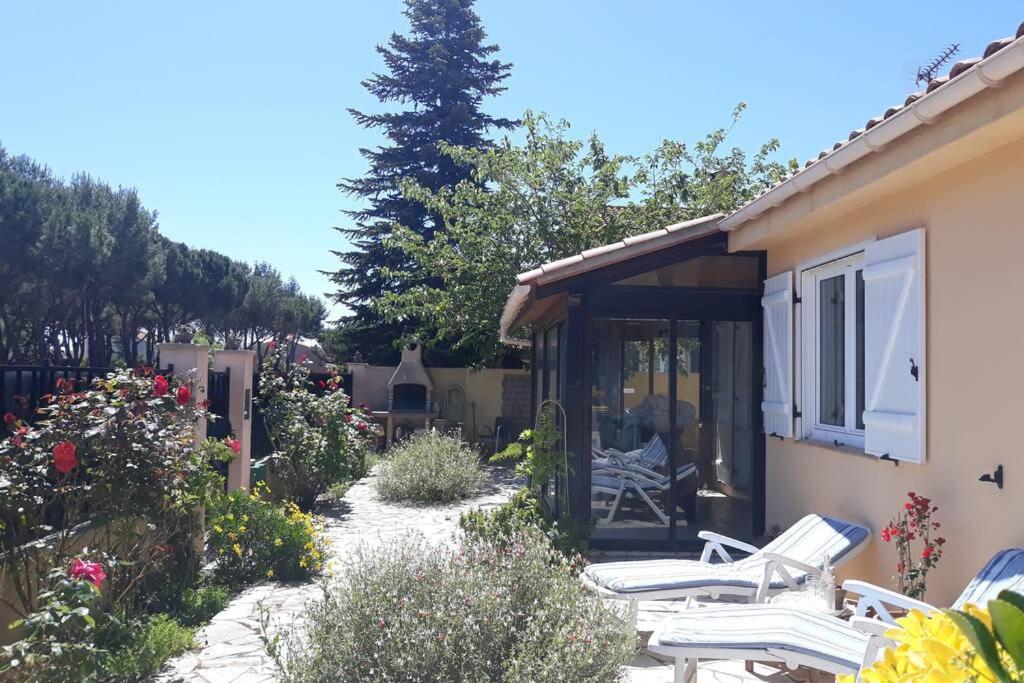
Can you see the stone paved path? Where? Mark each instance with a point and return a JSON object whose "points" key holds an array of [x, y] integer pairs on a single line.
{"points": [[231, 646]]}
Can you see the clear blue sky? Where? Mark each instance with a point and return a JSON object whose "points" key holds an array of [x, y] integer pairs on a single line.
{"points": [[230, 117]]}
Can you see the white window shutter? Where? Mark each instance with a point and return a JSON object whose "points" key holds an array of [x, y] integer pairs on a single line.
{"points": [[894, 347], [777, 308]]}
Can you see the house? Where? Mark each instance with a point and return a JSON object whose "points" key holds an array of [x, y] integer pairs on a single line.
{"points": [[850, 335]]}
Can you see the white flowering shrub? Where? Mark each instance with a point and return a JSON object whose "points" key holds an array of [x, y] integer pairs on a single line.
{"points": [[430, 468], [410, 611]]}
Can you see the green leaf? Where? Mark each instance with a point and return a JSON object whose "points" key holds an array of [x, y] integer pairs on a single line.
{"points": [[1008, 624], [982, 640], [1015, 599]]}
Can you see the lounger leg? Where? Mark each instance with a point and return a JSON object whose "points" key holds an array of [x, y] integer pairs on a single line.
{"points": [[685, 670]]}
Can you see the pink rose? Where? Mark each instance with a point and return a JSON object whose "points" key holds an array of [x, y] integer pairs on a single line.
{"points": [[64, 459], [82, 570]]}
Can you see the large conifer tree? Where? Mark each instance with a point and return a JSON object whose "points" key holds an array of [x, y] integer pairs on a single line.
{"points": [[439, 76]]}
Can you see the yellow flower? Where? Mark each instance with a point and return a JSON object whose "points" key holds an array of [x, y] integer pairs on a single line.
{"points": [[238, 549], [270, 573], [218, 528], [241, 529], [278, 542], [929, 647]]}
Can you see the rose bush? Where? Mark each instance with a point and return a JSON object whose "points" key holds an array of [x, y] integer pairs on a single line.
{"points": [[914, 526], [113, 466], [318, 439]]}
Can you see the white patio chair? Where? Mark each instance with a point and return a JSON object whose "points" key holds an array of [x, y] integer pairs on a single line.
{"points": [[784, 564], [795, 637], [634, 481]]}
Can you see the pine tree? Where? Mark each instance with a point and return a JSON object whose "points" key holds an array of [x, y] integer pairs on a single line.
{"points": [[439, 74]]}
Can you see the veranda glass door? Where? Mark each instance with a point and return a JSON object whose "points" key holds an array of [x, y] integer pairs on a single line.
{"points": [[671, 428]]}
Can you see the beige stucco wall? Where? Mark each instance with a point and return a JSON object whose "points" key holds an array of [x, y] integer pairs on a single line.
{"points": [[482, 387], [483, 394], [973, 214]]}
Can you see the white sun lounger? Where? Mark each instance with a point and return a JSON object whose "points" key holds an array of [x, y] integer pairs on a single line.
{"points": [[795, 637], [783, 564]]}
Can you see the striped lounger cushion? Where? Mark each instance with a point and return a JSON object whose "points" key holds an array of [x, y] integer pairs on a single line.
{"points": [[779, 630], [1005, 571]]}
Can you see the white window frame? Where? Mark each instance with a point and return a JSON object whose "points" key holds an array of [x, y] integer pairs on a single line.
{"points": [[845, 261]]}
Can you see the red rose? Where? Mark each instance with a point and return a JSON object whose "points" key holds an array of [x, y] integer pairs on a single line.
{"points": [[361, 426], [927, 552], [234, 444], [322, 384], [160, 385], [348, 418], [183, 395], [88, 571], [9, 418], [272, 345], [64, 459], [303, 358], [886, 534]]}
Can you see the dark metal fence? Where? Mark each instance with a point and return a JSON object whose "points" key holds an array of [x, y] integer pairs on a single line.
{"points": [[218, 392], [23, 386]]}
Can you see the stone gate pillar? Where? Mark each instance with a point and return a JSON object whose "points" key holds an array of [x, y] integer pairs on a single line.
{"points": [[241, 364], [190, 361]]}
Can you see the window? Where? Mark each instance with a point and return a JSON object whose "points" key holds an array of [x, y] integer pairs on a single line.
{"points": [[833, 351], [861, 370]]}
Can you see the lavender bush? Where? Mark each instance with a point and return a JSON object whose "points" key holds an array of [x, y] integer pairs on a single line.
{"points": [[487, 612]]}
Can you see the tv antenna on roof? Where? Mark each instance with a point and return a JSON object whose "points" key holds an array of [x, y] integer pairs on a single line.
{"points": [[929, 71]]}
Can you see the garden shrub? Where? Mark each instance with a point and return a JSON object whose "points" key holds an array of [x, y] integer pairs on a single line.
{"points": [[150, 643], [256, 539], [202, 603], [488, 612], [318, 438], [524, 511], [431, 468], [58, 637]]}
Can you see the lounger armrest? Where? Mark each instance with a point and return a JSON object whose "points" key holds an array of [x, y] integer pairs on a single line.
{"points": [[795, 564], [873, 627], [777, 566], [716, 543], [872, 596], [876, 630]]}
